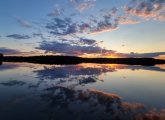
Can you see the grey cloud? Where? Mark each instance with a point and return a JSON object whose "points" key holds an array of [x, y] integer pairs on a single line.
{"points": [[154, 54], [8, 51], [68, 71], [85, 41], [37, 34], [113, 10], [24, 23], [134, 11], [65, 26], [109, 12], [147, 9], [4, 67], [105, 25], [84, 27], [69, 49], [62, 26], [13, 83], [127, 20], [18, 36], [80, 41], [55, 72], [57, 11], [108, 21], [82, 5]]}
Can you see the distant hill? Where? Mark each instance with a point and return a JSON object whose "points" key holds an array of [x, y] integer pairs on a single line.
{"points": [[77, 60]]}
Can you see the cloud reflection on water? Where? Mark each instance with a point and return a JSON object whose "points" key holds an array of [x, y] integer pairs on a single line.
{"points": [[64, 92]]}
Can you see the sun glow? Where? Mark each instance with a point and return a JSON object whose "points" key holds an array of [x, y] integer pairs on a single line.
{"points": [[113, 56]]}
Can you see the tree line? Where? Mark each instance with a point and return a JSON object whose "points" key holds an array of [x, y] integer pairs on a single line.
{"points": [[51, 59]]}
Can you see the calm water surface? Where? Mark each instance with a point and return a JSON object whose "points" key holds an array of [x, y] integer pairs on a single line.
{"points": [[81, 92]]}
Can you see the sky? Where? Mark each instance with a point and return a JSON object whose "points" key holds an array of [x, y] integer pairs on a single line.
{"points": [[99, 28]]}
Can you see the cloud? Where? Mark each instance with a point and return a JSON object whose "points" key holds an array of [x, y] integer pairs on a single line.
{"points": [[61, 26], [108, 21], [152, 114], [127, 20], [71, 49], [152, 55], [18, 36], [80, 41], [86, 41], [106, 25], [8, 51], [24, 23], [13, 83], [161, 57], [8, 67], [108, 105], [63, 72], [66, 26], [57, 11], [82, 5], [84, 27], [37, 34], [147, 9]]}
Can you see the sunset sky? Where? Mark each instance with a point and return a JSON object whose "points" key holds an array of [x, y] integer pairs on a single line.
{"points": [[111, 28]]}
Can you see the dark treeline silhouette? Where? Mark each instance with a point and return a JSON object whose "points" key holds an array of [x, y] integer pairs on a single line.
{"points": [[44, 59], [128, 61], [77, 60], [1, 57]]}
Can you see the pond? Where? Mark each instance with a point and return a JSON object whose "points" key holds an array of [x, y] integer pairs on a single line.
{"points": [[81, 92]]}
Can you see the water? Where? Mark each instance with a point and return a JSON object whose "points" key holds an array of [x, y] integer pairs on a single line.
{"points": [[81, 92]]}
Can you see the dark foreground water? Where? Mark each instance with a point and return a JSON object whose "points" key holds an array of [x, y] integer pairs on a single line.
{"points": [[81, 92]]}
